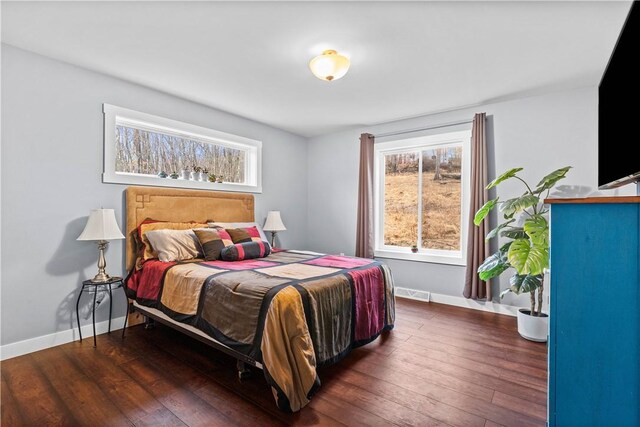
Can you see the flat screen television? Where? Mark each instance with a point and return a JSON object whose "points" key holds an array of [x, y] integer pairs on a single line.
{"points": [[619, 109]]}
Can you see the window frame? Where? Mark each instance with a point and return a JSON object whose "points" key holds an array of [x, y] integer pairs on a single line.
{"points": [[420, 143], [114, 114]]}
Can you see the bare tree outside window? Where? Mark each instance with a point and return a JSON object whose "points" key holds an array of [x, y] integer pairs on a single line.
{"points": [[145, 152]]}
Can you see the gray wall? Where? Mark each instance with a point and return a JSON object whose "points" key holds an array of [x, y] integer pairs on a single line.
{"points": [[52, 142], [52, 163], [538, 133]]}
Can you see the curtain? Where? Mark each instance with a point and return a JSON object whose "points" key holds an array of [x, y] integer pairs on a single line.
{"points": [[477, 247], [364, 231]]}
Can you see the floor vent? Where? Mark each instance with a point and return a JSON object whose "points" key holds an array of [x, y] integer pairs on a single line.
{"points": [[413, 294]]}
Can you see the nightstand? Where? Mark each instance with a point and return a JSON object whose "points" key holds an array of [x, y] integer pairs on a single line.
{"points": [[109, 284]]}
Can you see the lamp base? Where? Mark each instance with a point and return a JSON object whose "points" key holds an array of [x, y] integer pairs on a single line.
{"points": [[101, 277], [273, 239]]}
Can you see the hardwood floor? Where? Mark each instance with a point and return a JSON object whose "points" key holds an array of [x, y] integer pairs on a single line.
{"points": [[441, 365]]}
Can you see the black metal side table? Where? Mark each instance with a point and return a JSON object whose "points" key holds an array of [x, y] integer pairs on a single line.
{"points": [[95, 285]]}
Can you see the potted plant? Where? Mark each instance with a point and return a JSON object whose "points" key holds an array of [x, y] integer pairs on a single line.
{"points": [[526, 228], [219, 179], [174, 175], [185, 173], [204, 176], [162, 174], [197, 173], [212, 178], [414, 249]]}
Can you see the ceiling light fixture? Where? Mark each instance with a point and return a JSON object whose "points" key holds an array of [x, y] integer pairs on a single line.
{"points": [[329, 66]]}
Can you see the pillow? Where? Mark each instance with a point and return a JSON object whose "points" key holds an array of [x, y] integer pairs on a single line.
{"points": [[240, 225], [174, 245], [244, 235], [212, 241], [247, 250], [146, 250]]}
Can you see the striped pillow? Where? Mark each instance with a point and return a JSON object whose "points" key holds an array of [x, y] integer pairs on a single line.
{"points": [[213, 241], [240, 225], [243, 235], [247, 250]]}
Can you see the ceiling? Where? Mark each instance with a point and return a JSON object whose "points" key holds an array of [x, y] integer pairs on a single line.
{"points": [[250, 59]]}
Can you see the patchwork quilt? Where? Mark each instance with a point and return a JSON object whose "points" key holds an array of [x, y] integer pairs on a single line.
{"points": [[293, 311]]}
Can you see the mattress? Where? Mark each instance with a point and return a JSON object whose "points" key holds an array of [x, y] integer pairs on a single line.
{"points": [[186, 328]]}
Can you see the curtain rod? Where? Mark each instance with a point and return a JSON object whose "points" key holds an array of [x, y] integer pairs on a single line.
{"points": [[401, 132]]}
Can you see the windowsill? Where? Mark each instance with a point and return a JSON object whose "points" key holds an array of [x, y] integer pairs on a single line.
{"points": [[406, 255]]}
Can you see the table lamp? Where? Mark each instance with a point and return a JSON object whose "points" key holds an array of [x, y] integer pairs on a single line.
{"points": [[101, 227], [273, 224]]}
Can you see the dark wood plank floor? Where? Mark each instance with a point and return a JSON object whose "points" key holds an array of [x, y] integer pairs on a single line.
{"points": [[441, 366]]}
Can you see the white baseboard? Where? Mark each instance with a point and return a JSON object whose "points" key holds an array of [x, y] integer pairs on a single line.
{"points": [[492, 307], [19, 348]]}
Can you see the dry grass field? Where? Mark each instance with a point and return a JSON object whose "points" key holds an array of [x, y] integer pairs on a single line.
{"points": [[441, 211]]}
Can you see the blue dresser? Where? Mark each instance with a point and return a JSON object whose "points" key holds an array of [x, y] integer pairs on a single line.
{"points": [[594, 330]]}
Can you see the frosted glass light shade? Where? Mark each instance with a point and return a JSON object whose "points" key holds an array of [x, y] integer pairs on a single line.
{"points": [[329, 66], [101, 225], [274, 222]]}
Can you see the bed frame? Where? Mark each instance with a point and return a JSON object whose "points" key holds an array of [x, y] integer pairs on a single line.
{"points": [[169, 204]]}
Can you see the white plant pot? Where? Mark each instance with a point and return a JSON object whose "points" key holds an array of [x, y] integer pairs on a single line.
{"points": [[184, 174], [533, 328]]}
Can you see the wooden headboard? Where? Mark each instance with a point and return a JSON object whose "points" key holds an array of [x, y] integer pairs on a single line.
{"points": [[171, 204]]}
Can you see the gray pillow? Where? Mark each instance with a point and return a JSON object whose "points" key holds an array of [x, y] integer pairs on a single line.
{"points": [[174, 245]]}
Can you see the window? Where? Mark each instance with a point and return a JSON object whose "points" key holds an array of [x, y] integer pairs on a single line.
{"points": [[138, 147], [420, 197]]}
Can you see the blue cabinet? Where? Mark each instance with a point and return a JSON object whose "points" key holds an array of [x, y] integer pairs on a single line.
{"points": [[594, 330]]}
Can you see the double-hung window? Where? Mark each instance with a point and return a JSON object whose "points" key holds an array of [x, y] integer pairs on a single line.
{"points": [[420, 197], [144, 149]]}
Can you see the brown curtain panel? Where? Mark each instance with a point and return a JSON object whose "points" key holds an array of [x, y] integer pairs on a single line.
{"points": [[364, 232], [477, 247]]}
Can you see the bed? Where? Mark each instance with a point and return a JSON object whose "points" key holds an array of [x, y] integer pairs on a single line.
{"points": [[287, 314]]}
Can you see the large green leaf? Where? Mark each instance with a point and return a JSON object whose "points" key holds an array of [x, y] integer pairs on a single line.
{"points": [[525, 283], [508, 174], [513, 206], [528, 258], [514, 233], [537, 229], [493, 233], [495, 264], [550, 180], [484, 211]]}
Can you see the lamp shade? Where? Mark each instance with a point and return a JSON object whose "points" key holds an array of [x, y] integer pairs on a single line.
{"points": [[274, 222], [329, 66], [101, 225]]}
